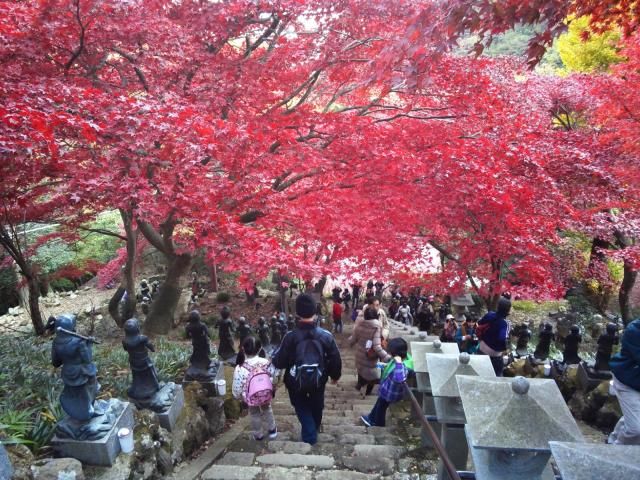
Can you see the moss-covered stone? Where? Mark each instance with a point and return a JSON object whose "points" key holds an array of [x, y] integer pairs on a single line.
{"points": [[232, 408]]}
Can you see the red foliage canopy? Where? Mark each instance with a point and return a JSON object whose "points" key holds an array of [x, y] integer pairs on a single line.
{"points": [[313, 138]]}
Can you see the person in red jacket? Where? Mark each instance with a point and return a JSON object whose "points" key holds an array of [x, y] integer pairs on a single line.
{"points": [[337, 317]]}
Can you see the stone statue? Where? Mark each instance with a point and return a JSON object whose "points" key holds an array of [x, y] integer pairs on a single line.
{"points": [[571, 344], [145, 390], [79, 373], [244, 329], [545, 337], [276, 334], [291, 323], [522, 346], [226, 348], [201, 368], [283, 327], [87, 419], [606, 342], [263, 332]]}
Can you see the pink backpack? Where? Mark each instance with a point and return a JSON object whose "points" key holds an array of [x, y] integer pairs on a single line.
{"points": [[258, 389]]}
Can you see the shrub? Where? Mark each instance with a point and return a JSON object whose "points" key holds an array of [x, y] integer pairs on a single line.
{"points": [[62, 285], [223, 297]]}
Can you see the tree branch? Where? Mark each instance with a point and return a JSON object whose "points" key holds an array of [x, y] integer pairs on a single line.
{"points": [[151, 235], [76, 53]]}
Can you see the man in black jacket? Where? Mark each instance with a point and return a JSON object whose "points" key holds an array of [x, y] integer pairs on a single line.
{"points": [[306, 337]]}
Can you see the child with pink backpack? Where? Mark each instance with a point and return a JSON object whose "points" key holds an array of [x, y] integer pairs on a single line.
{"points": [[253, 384]]}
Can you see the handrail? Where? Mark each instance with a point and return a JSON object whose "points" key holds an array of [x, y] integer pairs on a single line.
{"points": [[449, 467]]}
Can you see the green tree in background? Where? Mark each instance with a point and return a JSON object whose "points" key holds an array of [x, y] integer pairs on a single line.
{"points": [[584, 51]]}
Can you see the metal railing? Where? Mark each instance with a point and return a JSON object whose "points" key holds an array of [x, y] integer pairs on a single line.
{"points": [[446, 461]]}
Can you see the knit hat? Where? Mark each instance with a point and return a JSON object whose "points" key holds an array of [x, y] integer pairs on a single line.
{"points": [[305, 306]]}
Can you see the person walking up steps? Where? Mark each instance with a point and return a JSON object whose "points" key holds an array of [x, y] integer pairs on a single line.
{"points": [[253, 384], [310, 357]]}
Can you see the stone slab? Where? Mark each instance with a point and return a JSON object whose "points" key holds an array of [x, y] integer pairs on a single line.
{"points": [[209, 387], [96, 452], [367, 464], [443, 370], [344, 475], [586, 381], [579, 461], [168, 419], [297, 460], [6, 469], [231, 472], [500, 418], [419, 352], [423, 382], [449, 410], [337, 429], [289, 447], [378, 451], [281, 473], [243, 459], [487, 469], [356, 439], [455, 444]]}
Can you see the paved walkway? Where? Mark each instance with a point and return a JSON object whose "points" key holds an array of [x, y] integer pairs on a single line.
{"points": [[346, 450]]}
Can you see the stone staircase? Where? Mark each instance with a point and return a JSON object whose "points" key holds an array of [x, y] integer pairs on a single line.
{"points": [[346, 449]]}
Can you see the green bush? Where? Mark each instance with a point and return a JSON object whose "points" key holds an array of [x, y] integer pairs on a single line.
{"points": [[223, 297], [62, 285]]}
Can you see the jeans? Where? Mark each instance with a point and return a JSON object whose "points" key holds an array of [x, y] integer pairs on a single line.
{"points": [[378, 413], [627, 431], [308, 408]]}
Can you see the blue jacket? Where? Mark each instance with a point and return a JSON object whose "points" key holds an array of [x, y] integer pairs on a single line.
{"points": [[626, 364], [497, 335]]}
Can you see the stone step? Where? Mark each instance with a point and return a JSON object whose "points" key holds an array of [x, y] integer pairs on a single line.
{"points": [[244, 459], [344, 475], [326, 421], [297, 460], [231, 472], [289, 447], [282, 473]]}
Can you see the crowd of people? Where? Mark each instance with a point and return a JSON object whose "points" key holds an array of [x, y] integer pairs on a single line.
{"points": [[307, 357]]}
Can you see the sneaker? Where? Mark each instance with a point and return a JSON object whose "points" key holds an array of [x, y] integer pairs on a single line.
{"points": [[273, 433], [258, 439], [365, 420]]}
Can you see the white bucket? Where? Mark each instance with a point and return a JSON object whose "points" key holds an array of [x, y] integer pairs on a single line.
{"points": [[221, 386], [547, 370], [125, 437]]}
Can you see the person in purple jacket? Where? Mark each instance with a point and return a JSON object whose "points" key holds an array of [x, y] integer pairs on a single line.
{"points": [[495, 339]]}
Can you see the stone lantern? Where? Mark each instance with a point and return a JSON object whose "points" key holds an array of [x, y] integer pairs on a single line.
{"points": [[443, 371], [510, 423], [594, 461], [419, 350]]}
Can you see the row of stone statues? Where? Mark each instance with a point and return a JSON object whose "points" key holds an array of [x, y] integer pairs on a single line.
{"points": [[269, 334], [90, 419], [571, 343]]}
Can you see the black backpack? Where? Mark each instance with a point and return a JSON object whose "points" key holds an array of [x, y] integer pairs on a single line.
{"points": [[309, 364]]}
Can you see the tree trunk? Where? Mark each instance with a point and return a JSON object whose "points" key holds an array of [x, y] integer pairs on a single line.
{"points": [[127, 282], [163, 309], [34, 303], [214, 278], [114, 306], [628, 281]]}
